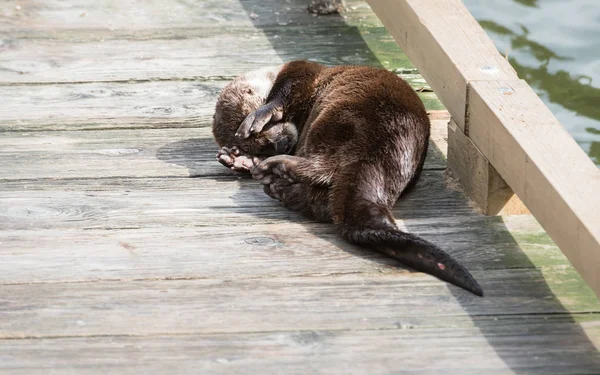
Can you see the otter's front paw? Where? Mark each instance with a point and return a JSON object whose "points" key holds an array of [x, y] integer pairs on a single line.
{"points": [[234, 159], [256, 121]]}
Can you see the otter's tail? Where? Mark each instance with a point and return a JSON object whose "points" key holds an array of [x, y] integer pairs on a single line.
{"points": [[381, 234]]}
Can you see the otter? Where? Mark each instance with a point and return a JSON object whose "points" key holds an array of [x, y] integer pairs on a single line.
{"points": [[338, 144], [239, 98]]}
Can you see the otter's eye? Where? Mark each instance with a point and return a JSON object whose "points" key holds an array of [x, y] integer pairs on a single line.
{"points": [[249, 91]]}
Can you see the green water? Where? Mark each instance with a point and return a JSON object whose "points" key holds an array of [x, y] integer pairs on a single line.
{"points": [[555, 46]]}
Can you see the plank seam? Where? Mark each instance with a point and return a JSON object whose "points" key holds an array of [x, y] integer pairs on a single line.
{"points": [[375, 256], [225, 333]]}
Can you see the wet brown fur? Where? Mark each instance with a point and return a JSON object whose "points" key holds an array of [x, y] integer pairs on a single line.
{"points": [[244, 95], [362, 140]]}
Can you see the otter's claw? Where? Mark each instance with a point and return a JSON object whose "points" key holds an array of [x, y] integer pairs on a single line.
{"points": [[256, 121]]}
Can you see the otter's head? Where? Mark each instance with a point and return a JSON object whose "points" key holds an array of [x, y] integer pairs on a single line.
{"points": [[238, 99]]}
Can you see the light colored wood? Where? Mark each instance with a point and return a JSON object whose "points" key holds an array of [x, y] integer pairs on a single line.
{"points": [[204, 248], [120, 153], [107, 15], [46, 41], [110, 105], [545, 167], [153, 202], [51, 17], [447, 45], [113, 261], [150, 307], [502, 346], [183, 56], [479, 179]]}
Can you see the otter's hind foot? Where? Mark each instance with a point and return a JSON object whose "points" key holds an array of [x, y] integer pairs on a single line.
{"points": [[312, 201], [280, 167]]}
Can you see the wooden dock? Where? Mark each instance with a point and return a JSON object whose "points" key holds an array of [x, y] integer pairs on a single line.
{"points": [[126, 248]]}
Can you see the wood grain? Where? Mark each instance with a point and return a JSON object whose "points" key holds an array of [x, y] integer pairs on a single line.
{"points": [[447, 45], [120, 153], [125, 203], [203, 248], [544, 166], [132, 15], [27, 59], [279, 304], [113, 261], [97, 106], [521, 346]]}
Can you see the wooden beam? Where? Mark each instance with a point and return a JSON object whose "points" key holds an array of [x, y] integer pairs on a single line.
{"points": [[478, 177], [446, 44], [544, 165], [506, 121]]}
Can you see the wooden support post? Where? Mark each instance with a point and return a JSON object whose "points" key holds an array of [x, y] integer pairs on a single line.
{"points": [[479, 179]]}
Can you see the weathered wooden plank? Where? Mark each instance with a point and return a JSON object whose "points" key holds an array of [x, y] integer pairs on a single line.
{"points": [[544, 166], [131, 15], [479, 179], [183, 56], [251, 249], [447, 45], [90, 106], [276, 304], [125, 14], [525, 346], [108, 105], [126, 203], [120, 153]]}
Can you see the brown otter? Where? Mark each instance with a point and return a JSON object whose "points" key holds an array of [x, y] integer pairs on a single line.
{"points": [[238, 99], [358, 136]]}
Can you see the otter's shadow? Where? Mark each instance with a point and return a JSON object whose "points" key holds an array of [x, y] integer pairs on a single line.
{"points": [[515, 287], [198, 155]]}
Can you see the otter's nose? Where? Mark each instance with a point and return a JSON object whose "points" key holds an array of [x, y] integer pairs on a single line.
{"points": [[282, 146]]}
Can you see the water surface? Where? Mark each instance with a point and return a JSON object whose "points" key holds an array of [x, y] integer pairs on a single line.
{"points": [[555, 46]]}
